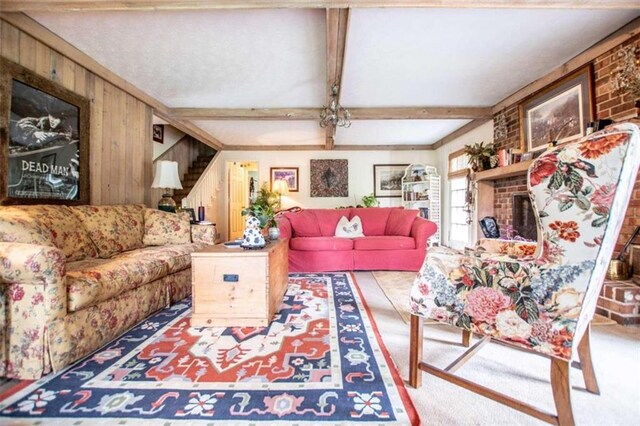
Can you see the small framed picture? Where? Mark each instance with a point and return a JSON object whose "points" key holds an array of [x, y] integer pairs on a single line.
{"points": [[288, 174], [158, 133], [387, 180], [192, 214]]}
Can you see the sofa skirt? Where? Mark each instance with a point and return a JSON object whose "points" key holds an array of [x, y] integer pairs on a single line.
{"points": [[356, 260]]}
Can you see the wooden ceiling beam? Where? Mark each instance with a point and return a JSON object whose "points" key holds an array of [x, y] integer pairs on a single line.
{"points": [[39, 32], [381, 113], [337, 30], [122, 5], [457, 133], [322, 147]]}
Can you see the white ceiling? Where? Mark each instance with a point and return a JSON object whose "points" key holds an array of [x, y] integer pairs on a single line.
{"points": [[276, 58]]}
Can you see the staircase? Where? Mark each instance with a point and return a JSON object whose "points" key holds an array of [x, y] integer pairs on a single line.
{"points": [[191, 177]]}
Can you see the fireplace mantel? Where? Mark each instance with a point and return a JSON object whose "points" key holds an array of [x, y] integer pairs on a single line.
{"points": [[511, 170]]}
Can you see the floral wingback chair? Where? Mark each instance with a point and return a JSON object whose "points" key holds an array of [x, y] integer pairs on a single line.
{"points": [[542, 302]]}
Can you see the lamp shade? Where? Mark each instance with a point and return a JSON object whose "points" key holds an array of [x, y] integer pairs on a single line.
{"points": [[166, 175], [281, 187]]}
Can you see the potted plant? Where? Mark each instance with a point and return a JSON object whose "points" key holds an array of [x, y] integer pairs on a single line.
{"points": [[264, 208], [481, 156], [370, 201]]}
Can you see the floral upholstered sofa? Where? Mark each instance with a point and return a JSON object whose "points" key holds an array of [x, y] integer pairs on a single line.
{"points": [[73, 278]]}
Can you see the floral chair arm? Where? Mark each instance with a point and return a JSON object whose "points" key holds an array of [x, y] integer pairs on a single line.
{"points": [[35, 298], [204, 234], [506, 247], [532, 304]]}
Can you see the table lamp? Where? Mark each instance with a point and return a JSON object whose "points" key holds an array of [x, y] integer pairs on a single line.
{"points": [[280, 187], [166, 178]]}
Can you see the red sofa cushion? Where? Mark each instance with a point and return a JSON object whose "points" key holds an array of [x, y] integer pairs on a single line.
{"points": [[384, 243], [374, 219], [304, 224], [321, 244], [400, 222], [328, 219]]}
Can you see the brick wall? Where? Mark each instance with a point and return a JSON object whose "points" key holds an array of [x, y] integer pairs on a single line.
{"points": [[608, 105]]}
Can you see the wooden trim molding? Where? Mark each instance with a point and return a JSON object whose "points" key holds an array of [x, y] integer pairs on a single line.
{"points": [[461, 131], [322, 147], [84, 5]]}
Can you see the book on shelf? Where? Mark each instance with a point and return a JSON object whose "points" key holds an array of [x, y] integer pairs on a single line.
{"points": [[508, 156]]}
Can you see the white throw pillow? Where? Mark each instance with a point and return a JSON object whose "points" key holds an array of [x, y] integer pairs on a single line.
{"points": [[349, 228]]}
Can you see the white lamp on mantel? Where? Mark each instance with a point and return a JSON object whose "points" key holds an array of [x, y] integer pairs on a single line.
{"points": [[167, 178]]}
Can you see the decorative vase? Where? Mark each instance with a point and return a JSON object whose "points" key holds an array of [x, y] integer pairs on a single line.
{"points": [[274, 233]]}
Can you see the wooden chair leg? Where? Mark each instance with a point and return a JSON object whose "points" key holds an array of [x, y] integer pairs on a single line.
{"points": [[466, 338], [586, 363], [561, 387], [415, 351]]}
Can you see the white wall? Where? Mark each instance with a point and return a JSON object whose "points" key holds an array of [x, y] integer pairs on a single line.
{"points": [[482, 133], [171, 137], [360, 174]]}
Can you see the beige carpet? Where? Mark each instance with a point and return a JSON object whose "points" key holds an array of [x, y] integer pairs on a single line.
{"points": [[396, 285], [615, 350]]}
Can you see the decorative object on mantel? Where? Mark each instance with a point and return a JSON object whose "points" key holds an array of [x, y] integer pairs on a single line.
{"points": [[481, 156], [619, 267], [166, 178], [335, 114], [625, 79], [500, 129]]}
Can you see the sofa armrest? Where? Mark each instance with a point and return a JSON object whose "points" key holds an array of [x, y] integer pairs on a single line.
{"points": [[36, 297], [285, 227], [421, 230], [205, 234]]}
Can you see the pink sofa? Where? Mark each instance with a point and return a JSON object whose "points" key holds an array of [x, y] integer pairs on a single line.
{"points": [[395, 239]]}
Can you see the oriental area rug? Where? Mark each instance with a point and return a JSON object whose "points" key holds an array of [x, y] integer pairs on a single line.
{"points": [[321, 360]]}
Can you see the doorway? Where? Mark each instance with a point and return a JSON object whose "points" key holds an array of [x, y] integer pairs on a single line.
{"points": [[242, 178]]}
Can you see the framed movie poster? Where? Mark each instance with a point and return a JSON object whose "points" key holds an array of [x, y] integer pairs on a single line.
{"points": [[559, 113], [44, 140]]}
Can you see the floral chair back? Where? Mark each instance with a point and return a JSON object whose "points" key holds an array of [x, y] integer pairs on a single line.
{"points": [[542, 302], [580, 192]]}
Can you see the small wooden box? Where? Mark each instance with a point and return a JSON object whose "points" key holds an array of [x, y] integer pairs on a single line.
{"points": [[238, 288]]}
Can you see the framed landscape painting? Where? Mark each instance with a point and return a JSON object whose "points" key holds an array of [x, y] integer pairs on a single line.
{"points": [[387, 180], [44, 153], [289, 174], [559, 113]]}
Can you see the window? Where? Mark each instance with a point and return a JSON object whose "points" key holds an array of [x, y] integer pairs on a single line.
{"points": [[459, 229]]}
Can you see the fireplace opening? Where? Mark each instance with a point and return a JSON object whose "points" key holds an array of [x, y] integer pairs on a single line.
{"points": [[524, 221]]}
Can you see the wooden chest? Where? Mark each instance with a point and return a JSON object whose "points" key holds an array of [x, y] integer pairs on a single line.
{"points": [[236, 287]]}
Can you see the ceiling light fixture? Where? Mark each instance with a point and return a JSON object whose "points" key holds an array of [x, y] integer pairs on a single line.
{"points": [[335, 115]]}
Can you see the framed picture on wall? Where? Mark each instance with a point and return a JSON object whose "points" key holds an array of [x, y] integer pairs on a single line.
{"points": [[387, 180], [559, 113], [44, 154], [288, 174], [158, 133]]}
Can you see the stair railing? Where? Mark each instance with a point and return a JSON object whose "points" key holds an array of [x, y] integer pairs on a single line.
{"points": [[207, 189]]}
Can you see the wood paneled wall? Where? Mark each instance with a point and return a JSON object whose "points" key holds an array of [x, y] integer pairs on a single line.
{"points": [[121, 142]]}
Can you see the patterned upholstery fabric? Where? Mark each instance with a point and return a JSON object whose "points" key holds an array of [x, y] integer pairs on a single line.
{"points": [[162, 228], [56, 310], [506, 247], [545, 301], [47, 225], [113, 229], [204, 234]]}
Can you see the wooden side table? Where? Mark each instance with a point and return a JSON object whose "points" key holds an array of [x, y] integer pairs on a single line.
{"points": [[236, 287]]}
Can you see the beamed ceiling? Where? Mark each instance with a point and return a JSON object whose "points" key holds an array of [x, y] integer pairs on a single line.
{"points": [[242, 76]]}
